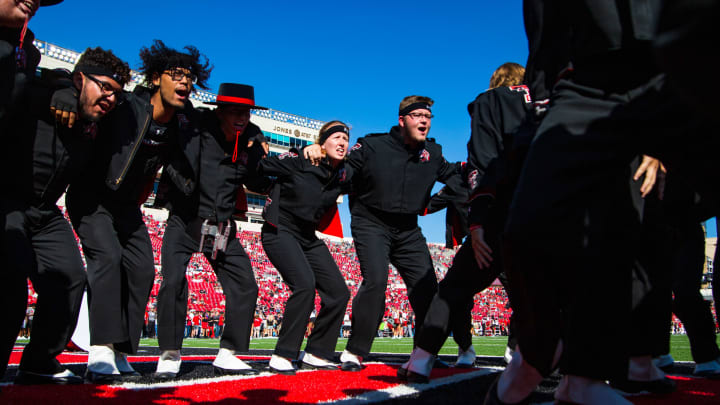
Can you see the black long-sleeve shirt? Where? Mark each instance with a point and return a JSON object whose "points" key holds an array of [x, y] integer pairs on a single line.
{"points": [[306, 192], [391, 177], [496, 115]]}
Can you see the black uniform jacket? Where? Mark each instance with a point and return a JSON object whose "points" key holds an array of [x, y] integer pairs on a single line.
{"points": [[46, 156], [119, 139], [303, 193], [456, 214], [13, 79], [390, 177], [608, 44], [218, 178], [496, 116]]}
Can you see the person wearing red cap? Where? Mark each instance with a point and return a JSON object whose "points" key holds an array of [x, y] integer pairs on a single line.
{"points": [[227, 149], [149, 129], [18, 60]]}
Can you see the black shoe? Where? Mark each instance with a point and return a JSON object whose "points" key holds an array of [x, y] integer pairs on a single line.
{"points": [[226, 371], [492, 396], [130, 374], [440, 364], [309, 366], [350, 366], [166, 375], [101, 378], [415, 378], [402, 373], [660, 386], [289, 371], [62, 378]]}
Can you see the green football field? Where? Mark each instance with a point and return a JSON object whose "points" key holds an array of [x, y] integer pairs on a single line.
{"points": [[484, 346]]}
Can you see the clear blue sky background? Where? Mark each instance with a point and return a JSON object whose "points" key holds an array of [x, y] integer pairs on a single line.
{"points": [[352, 61]]}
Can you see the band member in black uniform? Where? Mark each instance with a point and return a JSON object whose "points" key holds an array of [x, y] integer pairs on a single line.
{"points": [[573, 204], [18, 60], [228, 145], [497, 116], [302, 195], [39, 242], [393, 176], [146, 131]]}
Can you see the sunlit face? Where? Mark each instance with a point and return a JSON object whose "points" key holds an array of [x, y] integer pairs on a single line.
{"points": [[98, 96], [175, 86], [234, 119], [13, 13], [415, 125], [335, 147]]}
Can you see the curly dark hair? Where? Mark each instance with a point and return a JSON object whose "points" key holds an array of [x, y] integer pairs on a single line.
{"points": [[159, 58], [98, 57]]}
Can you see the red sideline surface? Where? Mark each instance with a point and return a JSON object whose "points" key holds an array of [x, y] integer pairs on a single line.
{"points": [[304, 387]]}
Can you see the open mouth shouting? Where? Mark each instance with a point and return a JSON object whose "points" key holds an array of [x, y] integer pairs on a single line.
{"points": [[28, 7]]}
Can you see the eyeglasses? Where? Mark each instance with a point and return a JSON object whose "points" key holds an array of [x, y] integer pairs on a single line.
{"points": [[416, 116], [178, 74], [106, 88]]}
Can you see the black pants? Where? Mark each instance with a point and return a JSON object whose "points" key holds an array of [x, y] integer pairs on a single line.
{"points": [[120, 270], [305, 264], [376, 245], [40, 244], [687, 265], [449, 310], [570, 236], [233, 270]]}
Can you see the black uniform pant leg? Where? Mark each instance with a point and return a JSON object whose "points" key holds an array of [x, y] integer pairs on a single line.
{"points": [[571, 229], [59, 279], [410, 255], [334, 297], [449, 306], [172, 301], [689, 304], [372, 245], [103, 256], [237, 279], [18, 259], [286, 254], [138, 268]]}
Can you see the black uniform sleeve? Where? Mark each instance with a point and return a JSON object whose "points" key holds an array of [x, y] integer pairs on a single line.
{"points": [[355, 157], [485, 150], [282, 165], [450, 175]]}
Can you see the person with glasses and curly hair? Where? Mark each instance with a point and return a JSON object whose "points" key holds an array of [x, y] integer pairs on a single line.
{"points": [[150, 129]]}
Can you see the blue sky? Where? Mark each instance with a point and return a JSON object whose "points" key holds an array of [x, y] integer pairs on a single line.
{"points": [[352, 61]]}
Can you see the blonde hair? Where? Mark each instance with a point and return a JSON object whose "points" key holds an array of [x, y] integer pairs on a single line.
{"points": [[508, 74]]}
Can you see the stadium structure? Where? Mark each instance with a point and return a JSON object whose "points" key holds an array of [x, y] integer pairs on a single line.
{"points": [[282, 130]]}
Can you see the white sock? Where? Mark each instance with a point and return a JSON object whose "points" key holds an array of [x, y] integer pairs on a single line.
{"points": [[169, 362], [101, 359], [421, 362], [280, 363], [226, 359]]}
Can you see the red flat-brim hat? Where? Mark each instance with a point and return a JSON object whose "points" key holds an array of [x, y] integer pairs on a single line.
{"points": [[237, 94]]}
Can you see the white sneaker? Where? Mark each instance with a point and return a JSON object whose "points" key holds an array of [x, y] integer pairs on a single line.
{"points": [[122, 364], [508, 354], [226, 363], [308, 360], [168, 364], [281, 365], [101, 360], [466, 358], [350, 361], [420, 365], [708, 369], [663, 361]]}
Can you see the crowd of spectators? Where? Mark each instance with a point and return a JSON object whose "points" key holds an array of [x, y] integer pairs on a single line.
{"points": [[206, 306]]}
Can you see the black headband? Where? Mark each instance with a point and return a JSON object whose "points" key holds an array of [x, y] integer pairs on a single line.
{"points": [[415, 106], [335, 128], [100, 71]]}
